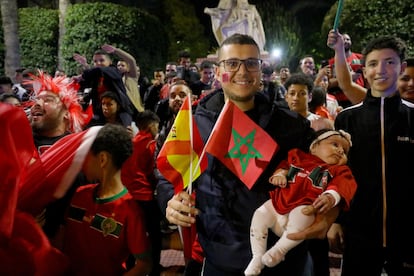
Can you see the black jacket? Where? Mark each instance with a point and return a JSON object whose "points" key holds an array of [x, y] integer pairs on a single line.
{"points": [[382, 131], [112, 80], [226, 204]]}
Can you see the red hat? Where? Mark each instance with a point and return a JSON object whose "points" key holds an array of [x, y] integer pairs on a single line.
{"points": [[66, 90]]}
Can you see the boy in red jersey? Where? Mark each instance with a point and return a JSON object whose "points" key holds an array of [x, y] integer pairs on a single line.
{"points": [[104, 223], [138, 176]]}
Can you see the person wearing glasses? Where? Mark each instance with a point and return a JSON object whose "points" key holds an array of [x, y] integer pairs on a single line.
{"points": [[224, 206]]}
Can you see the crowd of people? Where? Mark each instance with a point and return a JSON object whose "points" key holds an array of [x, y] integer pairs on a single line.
{"points": [[337, 182]]}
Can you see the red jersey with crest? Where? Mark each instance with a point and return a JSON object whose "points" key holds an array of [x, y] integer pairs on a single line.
{"points": [[308, 176], [100, 234]]}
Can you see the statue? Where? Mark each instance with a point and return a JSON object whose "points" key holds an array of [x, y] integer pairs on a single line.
{"points": [[236, 16]]}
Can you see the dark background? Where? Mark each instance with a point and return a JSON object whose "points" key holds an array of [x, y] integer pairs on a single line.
{"points": [[309, 14]]}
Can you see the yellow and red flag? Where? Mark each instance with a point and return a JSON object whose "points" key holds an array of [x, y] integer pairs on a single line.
{"points": [[179, 158], [240, 144]]}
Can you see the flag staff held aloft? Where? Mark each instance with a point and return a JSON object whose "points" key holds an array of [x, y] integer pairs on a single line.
{"points": [[338, 14]]}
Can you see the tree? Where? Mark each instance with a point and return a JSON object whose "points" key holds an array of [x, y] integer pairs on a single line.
{"points": [[282, 31], [63, 6], [38, 34], [11, 41], [364, 20], [310, 15], [89, 26], [184, 30]]}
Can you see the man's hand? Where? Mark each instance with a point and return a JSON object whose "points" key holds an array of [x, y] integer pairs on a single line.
{"points": [[335, 40], [180, 210], [319, 227], [108, 48], [80, 59]]}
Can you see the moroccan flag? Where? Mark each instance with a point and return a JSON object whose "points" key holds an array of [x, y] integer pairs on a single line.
{"points": [[240, 144], [60, 164], [179, 158], [22, 239]]}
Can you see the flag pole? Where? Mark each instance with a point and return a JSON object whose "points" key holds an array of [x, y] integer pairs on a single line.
{"points": [[338, 15], [190, 121], [211, 133]]}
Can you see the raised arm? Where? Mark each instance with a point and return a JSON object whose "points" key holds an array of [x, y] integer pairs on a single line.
{"points": [[128, 58], [354, 92], [81, 60]]}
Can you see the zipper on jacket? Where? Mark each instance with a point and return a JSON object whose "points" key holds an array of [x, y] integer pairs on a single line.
{"points": [[384, 190]]}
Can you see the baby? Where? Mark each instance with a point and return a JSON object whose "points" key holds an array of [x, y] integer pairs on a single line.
{"points": [[319, 179]]}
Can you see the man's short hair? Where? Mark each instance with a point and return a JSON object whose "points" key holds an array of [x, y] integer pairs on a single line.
{"points": [[386, 42], [20, 70], [206, 64], [27, 73], [267, 70], [101, 52], [241, 39], [5, 80], [145, 118], [184, 54]]}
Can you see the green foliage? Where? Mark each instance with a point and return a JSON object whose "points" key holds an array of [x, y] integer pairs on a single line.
{"points": [[89, 26], [38, 32], [281, 29], [184, 30], [365, 20]]}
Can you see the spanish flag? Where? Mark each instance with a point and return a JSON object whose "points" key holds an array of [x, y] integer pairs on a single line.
{"points": [[179, 158]]}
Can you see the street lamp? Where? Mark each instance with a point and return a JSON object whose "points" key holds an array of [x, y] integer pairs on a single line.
{"points": [[276, 53]]}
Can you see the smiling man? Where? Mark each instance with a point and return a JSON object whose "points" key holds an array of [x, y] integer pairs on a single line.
{"points": [[55, 113], [225, 205]]}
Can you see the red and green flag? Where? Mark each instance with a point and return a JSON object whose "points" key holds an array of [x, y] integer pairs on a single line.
{"points": [[240, 144], [179, 158]]}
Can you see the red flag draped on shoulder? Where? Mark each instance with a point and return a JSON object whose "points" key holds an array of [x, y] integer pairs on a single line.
{"points": [[23, 241], [240, 144], [181, 151]]}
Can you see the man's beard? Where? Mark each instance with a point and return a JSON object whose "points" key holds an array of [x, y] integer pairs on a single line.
{"points": [[239, 98]]}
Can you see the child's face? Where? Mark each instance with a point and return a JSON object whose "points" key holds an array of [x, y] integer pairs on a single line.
{"points": [[109, 107], [122, 67], [382, 69], [101, 60], [297, 97], [332, 150]]}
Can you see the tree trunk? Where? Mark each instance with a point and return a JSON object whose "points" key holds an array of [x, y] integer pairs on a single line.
{"points": [[63, 6], [10, 21]]}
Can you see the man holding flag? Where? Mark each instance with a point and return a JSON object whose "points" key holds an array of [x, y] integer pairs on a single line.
{"points": [[245, 141]]}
